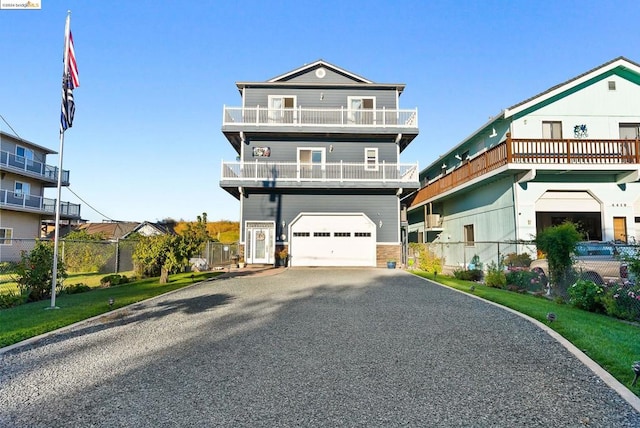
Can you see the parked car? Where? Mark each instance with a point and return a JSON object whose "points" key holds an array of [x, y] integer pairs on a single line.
{"points": [[600, 262]]}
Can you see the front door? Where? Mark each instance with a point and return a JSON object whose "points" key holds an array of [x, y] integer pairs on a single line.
{"points": [[620, 229], [260, 240]]}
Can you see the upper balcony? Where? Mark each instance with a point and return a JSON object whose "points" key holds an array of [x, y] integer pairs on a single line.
{"points": [[36, 204], [27, 167], [527, 158], [337, 175], [318, 121]]}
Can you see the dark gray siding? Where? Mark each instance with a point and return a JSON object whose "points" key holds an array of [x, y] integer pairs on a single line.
{"points": [[331, 77], [346, 151], [321, 97], [285, 207]]}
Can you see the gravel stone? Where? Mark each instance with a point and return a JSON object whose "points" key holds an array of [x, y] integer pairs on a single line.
{"points": [[306, 347]]}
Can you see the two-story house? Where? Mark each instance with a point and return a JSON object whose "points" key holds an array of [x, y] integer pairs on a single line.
{"points": [[318, 171], [24, 175], [569, 153]]}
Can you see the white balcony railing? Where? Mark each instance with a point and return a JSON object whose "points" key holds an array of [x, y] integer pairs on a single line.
{"points": [[301, 117], [10, 161], [327, 172], [37, 203]]}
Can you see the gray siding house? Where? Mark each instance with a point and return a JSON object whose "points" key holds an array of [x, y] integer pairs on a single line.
{"points": [[318, 171], [24, 175]]}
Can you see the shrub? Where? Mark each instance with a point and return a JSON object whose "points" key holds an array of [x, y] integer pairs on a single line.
{"points": [[113, 279], [8, 267], [585, 294], [9, 299], [559, 242], [468, 275], [517, 260], [35, 272], [623, 302], [495, 276], [426, 260], [75, 288], [526, 280]]}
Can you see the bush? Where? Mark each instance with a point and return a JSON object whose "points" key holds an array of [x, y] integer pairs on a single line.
{"points": [[75, 288], [7, 267], [468, 275], [585, 294], [559, 242], [426, 260], [517, 260], [495, 276], [35, 272], [526, 280], [9, 299], [113, 279], [623, 302]]}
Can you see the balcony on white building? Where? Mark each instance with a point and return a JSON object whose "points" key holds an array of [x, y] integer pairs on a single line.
{"points": [[18, 201]]}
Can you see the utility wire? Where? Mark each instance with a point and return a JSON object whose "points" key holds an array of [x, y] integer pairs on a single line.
{"points": [[10, 127], [89, 205]]}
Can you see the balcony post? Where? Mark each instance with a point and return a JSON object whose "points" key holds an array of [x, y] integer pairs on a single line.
{"points": [[384, 116], [384, 171], [509, 148], [637, 153], [257, 115], [568, 146], [341, 115], [255, 177], [341, 171]]}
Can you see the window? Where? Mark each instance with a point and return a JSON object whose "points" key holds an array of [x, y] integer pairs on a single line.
{"points": [[469, 237], [361, 110], [552, 130], [371, 159], [362, 234], [5, 236], [311, 162], [342, 234], [629, 131], [22, 189], [322, 234], [282, 109], [23, 154]]}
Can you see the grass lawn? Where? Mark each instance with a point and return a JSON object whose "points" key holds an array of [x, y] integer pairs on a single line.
{"points": [[612, 343], [31, 319]]}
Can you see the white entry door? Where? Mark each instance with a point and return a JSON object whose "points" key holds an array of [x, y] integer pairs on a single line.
{"points": [[260, 242]]}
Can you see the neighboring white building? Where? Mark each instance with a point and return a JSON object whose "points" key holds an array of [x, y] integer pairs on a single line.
{"points": [[571, 152]]}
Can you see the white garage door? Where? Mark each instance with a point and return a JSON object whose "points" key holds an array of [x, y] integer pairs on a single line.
{"points": [[333, 240]]}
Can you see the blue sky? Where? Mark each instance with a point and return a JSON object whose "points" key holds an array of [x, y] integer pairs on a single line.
{"points": [[154, 76]]}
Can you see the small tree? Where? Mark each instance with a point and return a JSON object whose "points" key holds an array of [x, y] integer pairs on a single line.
{"points": [[559, 243], [34, 272], [161, 255]]}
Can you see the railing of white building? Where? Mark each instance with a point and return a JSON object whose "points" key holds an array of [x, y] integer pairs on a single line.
{"points": [[10, 161], [320, 117], [37, 203], [328, 172]]}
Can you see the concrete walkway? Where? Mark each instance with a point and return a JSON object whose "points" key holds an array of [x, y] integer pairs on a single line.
{"points": [[306, 347]]}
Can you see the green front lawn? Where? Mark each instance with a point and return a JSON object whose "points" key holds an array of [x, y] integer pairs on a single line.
{"points": [[31, 319], [612, 343]]}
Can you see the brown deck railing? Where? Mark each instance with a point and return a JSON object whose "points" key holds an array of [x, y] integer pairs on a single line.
{"points": [[535, 151]]}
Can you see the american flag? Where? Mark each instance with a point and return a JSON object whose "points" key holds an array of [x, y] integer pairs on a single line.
{"points": [[70, 81]]}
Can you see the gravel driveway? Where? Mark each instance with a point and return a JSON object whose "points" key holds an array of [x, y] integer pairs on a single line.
{"points": [[306, 347]]}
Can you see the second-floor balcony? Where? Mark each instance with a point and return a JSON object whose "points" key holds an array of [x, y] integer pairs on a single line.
{"points": [[37, 204], [320, 117], [29, 167], [529, 156], [281, 173]]}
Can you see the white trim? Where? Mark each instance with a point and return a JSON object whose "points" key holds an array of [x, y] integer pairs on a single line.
{"points": [[10, 238], [367, 165], [351, 112], [323, 64]]}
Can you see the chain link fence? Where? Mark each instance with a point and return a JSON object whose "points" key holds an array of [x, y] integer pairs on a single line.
{"points": [[114, 256]]}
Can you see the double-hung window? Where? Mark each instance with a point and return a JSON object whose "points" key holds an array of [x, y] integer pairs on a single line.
{"points": [[362, 110], [469, 235], [5, 236], [24, 155], [629, 131], [282, 109], [371, 159]]}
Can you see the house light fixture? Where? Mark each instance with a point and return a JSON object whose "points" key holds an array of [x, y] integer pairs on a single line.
{"points": [[444, 166], [457, 156], [493, 133]]}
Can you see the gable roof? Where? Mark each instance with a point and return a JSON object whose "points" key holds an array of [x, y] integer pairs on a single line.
{"points": [[27, 143], [319, 63], [621, 66], [285, 79]]}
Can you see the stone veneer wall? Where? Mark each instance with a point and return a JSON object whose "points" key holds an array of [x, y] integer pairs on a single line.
{"points": [[384, 253]]}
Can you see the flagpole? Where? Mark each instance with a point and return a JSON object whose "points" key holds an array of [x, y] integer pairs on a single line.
{"points": [[56, 235]]}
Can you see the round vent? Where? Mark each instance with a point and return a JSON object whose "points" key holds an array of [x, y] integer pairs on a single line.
{"points": [[321, 72]]}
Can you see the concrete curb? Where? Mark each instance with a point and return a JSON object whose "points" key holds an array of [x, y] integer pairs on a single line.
{"points": [[606, 377]]}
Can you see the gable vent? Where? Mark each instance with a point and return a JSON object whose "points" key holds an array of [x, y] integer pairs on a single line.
{"points": [[612, 85]]}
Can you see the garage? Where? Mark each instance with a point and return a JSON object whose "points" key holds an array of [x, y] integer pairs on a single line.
{"points": [[555, 207], [332, 240]]}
